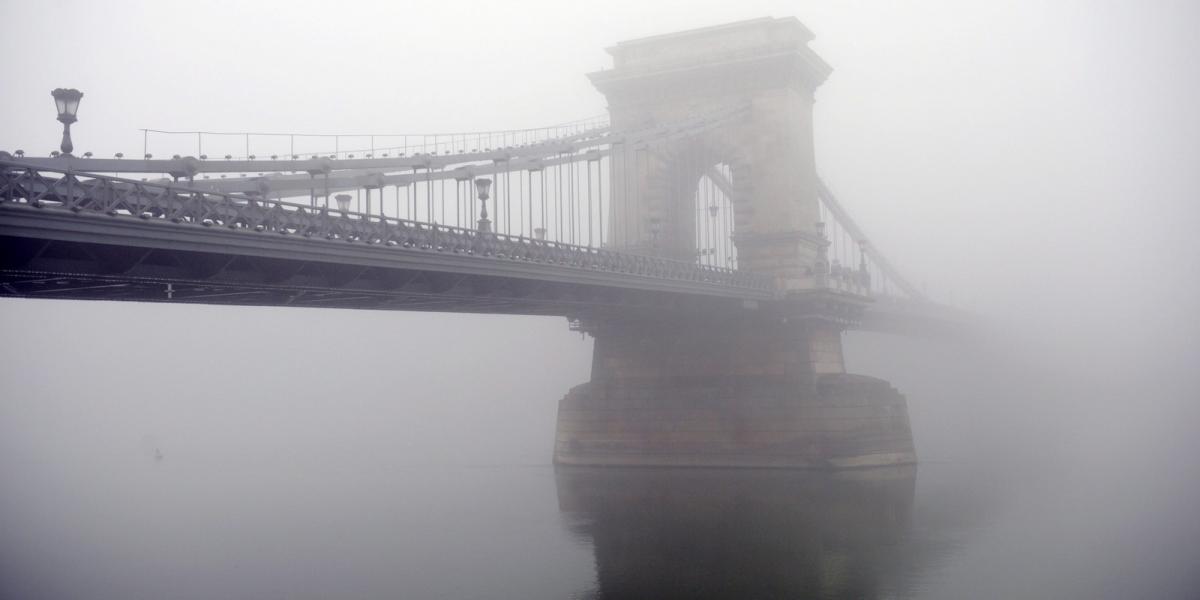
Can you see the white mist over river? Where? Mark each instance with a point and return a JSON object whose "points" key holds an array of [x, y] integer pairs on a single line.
{"points": [[1035, 163], [406, 473]]}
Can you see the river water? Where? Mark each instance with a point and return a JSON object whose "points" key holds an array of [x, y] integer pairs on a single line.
{"points": [[1045, 489], [172, 530]]}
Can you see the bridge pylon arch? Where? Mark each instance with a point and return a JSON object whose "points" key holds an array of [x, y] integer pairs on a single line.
{"points": [[762, 76]]}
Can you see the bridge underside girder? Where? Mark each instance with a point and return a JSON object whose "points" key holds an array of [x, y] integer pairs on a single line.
{"points": [[64, 269]]}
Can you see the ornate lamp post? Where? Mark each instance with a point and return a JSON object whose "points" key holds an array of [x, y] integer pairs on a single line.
{"points": [[864, 272], [343, 202], [483, 186], [67, 102], [821, 266]]}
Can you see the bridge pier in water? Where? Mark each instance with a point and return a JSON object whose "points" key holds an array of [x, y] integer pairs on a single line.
{"points": [[756, 390]]}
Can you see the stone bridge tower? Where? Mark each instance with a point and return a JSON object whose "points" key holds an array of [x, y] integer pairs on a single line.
{"points": [[763, 67], [754, 385]]}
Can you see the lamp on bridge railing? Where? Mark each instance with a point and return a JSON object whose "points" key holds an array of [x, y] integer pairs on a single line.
{"points": [[483, 185], [343, 202], [821, 267], [864, 273], [67, 103]]}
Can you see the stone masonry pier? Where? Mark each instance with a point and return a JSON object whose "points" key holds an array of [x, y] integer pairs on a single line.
{"points": [[751, 392]]}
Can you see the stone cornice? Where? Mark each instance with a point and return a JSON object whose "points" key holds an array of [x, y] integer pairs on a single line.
{"points": [[747, 240], [751, 72], [791, 25], [759, 54]]}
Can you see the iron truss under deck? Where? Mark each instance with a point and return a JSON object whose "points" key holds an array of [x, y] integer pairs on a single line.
{"points": [[92, 237], [63, 269], [87, 236]]}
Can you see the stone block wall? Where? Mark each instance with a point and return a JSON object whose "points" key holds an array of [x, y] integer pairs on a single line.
{"points": [[844, 421], [750, 392]]}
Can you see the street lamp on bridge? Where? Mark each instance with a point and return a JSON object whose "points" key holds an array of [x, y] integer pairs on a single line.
{"points": [[483, 186], [343, 202], [67, 102]]}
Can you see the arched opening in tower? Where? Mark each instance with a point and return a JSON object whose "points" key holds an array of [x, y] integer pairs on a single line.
{"points": [[713, 218]]}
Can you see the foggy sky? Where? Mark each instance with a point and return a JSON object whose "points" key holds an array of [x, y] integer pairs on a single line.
{"points": [[1028, 137], [1036, 162], [1032, 161]]}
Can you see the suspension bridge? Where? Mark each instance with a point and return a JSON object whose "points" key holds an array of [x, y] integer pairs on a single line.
{"points": [[687, 231]]}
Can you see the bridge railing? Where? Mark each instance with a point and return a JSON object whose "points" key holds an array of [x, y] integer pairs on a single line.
{"points": [[848, 279], [247, 145], [89, 193], [854, 257]]}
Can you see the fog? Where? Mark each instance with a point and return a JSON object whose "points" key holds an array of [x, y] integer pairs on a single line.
{"points": [[1034, 163]]}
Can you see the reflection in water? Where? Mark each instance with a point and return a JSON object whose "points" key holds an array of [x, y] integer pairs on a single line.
{"points": [[704, 533]]}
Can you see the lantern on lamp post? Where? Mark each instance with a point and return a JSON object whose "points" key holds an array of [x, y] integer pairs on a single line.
{"points": [[483, 186], [67, 103], [343, 203], [821, 267]]}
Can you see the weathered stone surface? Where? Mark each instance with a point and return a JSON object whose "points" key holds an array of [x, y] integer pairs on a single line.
{"points": [[763, 66], [842, 421], [752, 392]]}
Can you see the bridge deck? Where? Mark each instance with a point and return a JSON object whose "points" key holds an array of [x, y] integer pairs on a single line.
{"points": [[109, 238], [87, 236]]}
